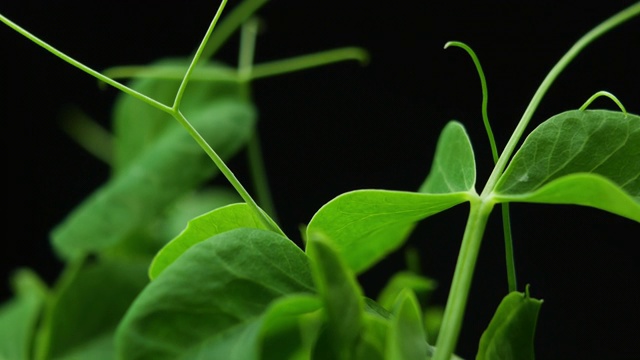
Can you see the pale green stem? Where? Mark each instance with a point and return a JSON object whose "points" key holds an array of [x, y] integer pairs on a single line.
{"points": [[605, 94], [506, 219], [585, 40], [196, 57], [268, 69], [230, 23], [86, 69], [174, 110], [224, 169], [479, 212], [512, 280], [254, 153], [309, 61], [459, 293]]}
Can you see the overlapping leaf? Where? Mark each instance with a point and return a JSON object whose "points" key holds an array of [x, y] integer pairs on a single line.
{"points": [[342, 299], [216, 289], [579, 157], [366, 225], [203, 227], [407, 339]]}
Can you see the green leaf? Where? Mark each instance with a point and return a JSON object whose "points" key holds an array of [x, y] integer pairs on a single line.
{"points": [[510, 333], [453, 168], [422, 287], [275, 334], [217, 287], [201, 201], [372, 343], [366, 225], [19, 316], [340, 293], [171, 167], [203, 227], [581, 157], [407, 339], [281, 333], [87, 304]]}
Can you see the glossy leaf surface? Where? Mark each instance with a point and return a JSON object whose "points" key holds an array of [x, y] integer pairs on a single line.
{"points": [[218, 286], [582, 157]]}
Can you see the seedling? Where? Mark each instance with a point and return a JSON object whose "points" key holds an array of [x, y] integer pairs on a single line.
{"points": [[232, 284]]}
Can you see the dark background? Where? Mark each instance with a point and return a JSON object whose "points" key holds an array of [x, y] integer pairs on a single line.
{"points": [[344, 127]]}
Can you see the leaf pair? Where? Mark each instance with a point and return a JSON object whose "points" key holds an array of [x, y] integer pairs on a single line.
{"points": [[578, 157]]}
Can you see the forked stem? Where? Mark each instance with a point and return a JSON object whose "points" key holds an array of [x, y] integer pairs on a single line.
{"points": [[506, 218], [479, 213]]}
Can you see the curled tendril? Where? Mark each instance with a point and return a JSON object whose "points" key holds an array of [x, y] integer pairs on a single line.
{"points": [[606, 94]]}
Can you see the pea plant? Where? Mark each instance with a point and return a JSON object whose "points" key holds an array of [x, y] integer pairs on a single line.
{"points": [[162, 263]]}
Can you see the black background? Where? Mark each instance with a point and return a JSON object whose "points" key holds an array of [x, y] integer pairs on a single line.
{"points": [[344, 127]]}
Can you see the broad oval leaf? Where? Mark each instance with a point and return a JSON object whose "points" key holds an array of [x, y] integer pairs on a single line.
{"points": [[203, 227], [171, 167], [583, 157], [223, 283], [453, 168], [510, 333], [366, 225]]}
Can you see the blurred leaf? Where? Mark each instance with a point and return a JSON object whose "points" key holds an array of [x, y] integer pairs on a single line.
{"points": [[421, 285], [407, 339], [19, 316], [88, 302], [168, 169]]}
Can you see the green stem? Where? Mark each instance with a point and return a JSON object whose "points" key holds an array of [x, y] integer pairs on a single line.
{"points": [[196, 57], [605, 94], [506, 218], [231, 22], [224, 169], [461, 283], [254, 153], [585, 40], [158, 105], [302, 62], [510, 261], [480, 209]]}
